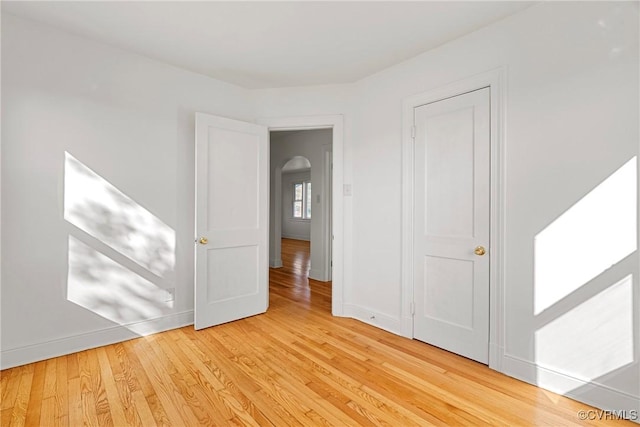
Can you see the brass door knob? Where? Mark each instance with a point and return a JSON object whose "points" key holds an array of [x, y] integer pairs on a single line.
{"points": [[480, 250], [203, 241]]}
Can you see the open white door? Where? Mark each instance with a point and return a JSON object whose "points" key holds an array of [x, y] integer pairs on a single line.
{"points": [[451, 224], [232, 217]]}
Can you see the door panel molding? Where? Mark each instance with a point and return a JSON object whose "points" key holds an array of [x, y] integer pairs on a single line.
{"points": [[494, 80]]}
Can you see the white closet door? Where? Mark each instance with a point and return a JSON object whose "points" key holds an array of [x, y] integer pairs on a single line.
{"points": [[451, 242]]}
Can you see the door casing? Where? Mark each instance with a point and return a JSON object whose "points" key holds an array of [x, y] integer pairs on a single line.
{"points": [[494, 80]]}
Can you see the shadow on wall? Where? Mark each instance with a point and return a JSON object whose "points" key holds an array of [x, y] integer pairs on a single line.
{"points": [[586, 266], [121, 257]]}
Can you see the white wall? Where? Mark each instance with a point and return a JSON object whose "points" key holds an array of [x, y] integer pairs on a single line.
{"points": [[571, 122], [294, 228], [312, 145], [131, 121]]}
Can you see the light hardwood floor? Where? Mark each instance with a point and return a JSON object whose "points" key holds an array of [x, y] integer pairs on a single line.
{"points": [[295, 365]]}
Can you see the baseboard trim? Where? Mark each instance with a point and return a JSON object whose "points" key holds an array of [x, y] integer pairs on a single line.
{"points": [[317, 275], [557, 382], [373, 318], [67, 345], [275, 263], [296, 237]]}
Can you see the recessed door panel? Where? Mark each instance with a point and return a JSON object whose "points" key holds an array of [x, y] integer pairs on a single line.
{"points": [[233, 273], [448, 296], [233, 164], [449, 174]]}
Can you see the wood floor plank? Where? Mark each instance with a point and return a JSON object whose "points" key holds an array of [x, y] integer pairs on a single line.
{"points": [[295, 365], [129, 408], [269, 384], [47, 412], [50, 378], [233, 392], [139, 381], [173, 401], [35, 395], [19, 413], [99, 393], [116, 405], [76, 416], [228, 404], [294, 381], [204, 403], [61, 393], [5, 416], [10, 385]]}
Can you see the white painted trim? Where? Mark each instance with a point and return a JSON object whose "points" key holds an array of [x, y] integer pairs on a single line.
{"points": [[557, 382], [327, 192], [295, 237], [374, 318], [98, 338], [493, 79], [275, 263], [336, 123], [317, 274]]}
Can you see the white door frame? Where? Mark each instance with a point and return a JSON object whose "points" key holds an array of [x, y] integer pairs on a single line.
{"points": [[328, 209], [493, 79], [336, 123]]}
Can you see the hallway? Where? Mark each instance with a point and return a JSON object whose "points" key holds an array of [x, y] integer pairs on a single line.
{"points": [[291, 283]]}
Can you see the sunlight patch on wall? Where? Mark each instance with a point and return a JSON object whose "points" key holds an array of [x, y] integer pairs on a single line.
{"points": [[589, 341], [593, 235], [98, 208], [105, 287]]}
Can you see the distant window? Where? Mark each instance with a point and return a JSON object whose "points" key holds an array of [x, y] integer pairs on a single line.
{"points": [[302, 200]]}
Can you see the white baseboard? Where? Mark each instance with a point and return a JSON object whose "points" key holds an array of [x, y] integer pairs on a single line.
{"points": [[593, 394], [67, 345], [317, 275], [296, 237], [373, 318], [275, 263]]}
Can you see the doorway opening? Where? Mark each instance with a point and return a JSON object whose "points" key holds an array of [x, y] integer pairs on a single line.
{"points": [[300, 236], [335, 210]]}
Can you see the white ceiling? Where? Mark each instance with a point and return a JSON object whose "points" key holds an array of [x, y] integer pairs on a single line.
{"points": [[271, 44]]}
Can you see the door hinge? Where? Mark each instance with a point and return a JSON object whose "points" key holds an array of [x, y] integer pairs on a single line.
{"points": [[413, 132], [412, 308]]}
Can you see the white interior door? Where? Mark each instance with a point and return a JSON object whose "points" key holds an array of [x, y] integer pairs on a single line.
{"points": [[451, 223], [232, 214]]}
